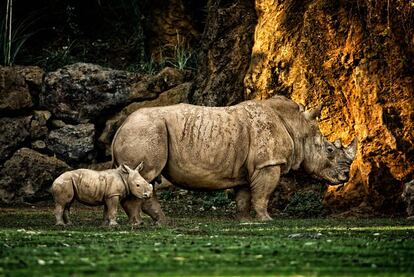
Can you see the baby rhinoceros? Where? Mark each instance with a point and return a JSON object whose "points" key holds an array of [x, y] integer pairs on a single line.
{"points": [[408, 198], [93, 188]]}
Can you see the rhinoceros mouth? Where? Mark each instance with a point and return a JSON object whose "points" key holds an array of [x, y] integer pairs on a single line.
{"points": [[329, 180]]}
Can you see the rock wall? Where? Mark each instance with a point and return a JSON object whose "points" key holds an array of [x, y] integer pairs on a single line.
{"points": [[224, 53], [52, 122], [355, 57]]}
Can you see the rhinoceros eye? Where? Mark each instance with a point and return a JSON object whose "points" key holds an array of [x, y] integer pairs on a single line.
{"points": [[137, 185]]}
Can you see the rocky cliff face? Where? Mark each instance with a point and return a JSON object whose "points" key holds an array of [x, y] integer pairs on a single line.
{"points": [[355, 57]]}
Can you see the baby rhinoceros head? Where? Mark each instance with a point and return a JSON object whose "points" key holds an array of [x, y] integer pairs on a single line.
{"points": [[138, 186]]}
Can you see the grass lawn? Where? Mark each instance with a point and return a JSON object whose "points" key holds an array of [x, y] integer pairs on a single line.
{"points": [[30, 245]]}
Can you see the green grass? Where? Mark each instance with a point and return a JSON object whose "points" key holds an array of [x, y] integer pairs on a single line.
{"points": [[30, 245]]}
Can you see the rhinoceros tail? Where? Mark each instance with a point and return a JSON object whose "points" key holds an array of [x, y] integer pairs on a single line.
{"points": [[114, 163]]}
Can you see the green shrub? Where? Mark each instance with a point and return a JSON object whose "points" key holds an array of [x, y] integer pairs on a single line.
{"points": [[305, 204]]}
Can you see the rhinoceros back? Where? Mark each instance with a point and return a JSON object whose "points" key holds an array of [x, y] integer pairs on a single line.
{"points": [[90, 186], [207, 147]]}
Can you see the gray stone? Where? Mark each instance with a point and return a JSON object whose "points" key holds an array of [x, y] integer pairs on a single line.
{"points": [[58, 123], [73, 143], [13, 133], [14, 91], [82, 92], [38, 145], [38, 128], [28, 175]]}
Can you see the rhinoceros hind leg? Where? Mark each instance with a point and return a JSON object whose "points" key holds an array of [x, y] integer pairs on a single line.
{"points": [[243, 203], [264, 182], [153, 208], [132, 207], [66, 217], [59, 209]]}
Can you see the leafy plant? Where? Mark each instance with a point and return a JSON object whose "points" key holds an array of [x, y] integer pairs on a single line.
{"points": [[13, 35], [57, 57], [305, 204], [182, 56]]}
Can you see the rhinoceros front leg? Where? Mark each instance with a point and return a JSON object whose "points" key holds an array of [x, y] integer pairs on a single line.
{"points": [[132, 207], [263, 183], [153, 208], [243, 203], [112, 204]]}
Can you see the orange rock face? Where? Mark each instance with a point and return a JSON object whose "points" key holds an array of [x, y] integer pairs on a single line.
{"points": [[356, 57]]}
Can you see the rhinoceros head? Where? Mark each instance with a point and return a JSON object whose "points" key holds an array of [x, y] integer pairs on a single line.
{"points": [[138, 186], [324, 159]]}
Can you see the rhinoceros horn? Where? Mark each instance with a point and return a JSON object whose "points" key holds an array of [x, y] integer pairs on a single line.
{"points": [[314, 113], [338, 143], [351, 149]]}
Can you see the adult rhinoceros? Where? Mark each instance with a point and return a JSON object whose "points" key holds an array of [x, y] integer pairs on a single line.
{"points": [[246, 147]]}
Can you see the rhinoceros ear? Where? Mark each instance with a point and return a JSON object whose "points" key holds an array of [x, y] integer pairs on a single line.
{"points": [[351, 149], [125, 169], [338, 143], [314, 113], [140, 167]]}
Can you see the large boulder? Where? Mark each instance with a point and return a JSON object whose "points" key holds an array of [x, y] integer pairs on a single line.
{"points": [[178, 94], [13, 133], [73, 143], [28, 175], [83, 92], [15, 93]]}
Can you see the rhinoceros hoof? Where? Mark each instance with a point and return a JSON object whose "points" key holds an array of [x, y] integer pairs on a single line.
{"points": [[60, 224], [265, 218], [113, 224], [245, 218], [137, 223]]}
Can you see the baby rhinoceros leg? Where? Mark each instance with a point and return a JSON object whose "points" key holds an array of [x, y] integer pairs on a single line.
{"points": [[63, 194], [105, 216], [132, 207], [112, 204]]}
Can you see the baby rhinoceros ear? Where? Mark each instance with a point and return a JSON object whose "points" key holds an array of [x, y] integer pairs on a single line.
{"points": [[140, 167], [125, 169]]}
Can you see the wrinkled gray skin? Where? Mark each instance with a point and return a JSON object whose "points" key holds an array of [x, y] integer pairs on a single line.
{"points": [[246, 147], [408, 198], [94, 188]]}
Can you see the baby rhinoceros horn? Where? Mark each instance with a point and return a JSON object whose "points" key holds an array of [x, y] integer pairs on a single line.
{"points": [[338, 143]]}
